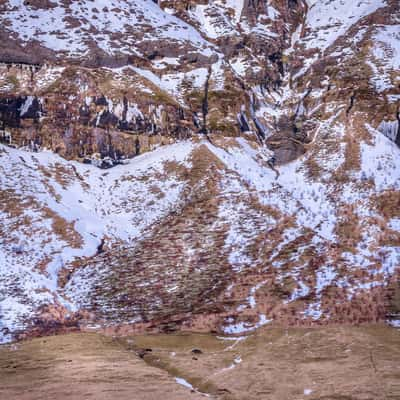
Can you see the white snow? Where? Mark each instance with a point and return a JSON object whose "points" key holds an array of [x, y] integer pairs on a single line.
{"points": [[379, 161], [117, 204], [327, 20], [385, 57], [244, 327], [313, 311], [390, 129], [240, 66], [300, 199], [120, 204], [27, 104], [251, 299], [237, 6], [387, 46], [184, 383], [325, 276], [100, 21], [394, 323], [212, 21], [172, 82], [300, 291]]}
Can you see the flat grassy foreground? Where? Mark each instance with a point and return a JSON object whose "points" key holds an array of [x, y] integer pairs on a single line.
{"points": [[338, 363]]}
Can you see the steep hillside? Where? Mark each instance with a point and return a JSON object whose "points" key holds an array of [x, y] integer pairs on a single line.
{"points": [[198, 236], [255, 154]]}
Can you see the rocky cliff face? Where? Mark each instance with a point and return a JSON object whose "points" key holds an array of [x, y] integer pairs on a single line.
{"points": [[275, 194], [86, 78]]}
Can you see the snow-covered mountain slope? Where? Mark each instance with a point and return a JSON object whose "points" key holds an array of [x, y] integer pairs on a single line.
{"points": [[200, 234], [54, 212], [113, 27], [326, 21], [255, 147]]}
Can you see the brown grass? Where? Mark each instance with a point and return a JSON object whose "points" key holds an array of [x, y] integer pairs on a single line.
{"points": [[348, 229], [388, 203], [81, 366], [335, 362], [63, 229], [276, 363]]}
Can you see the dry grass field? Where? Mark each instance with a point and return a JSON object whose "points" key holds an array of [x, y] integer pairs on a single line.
{"points": [[330, 363]]}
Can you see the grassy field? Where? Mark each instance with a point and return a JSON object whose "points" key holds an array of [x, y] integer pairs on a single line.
{"points": [[338, 363], [82, 366]]}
